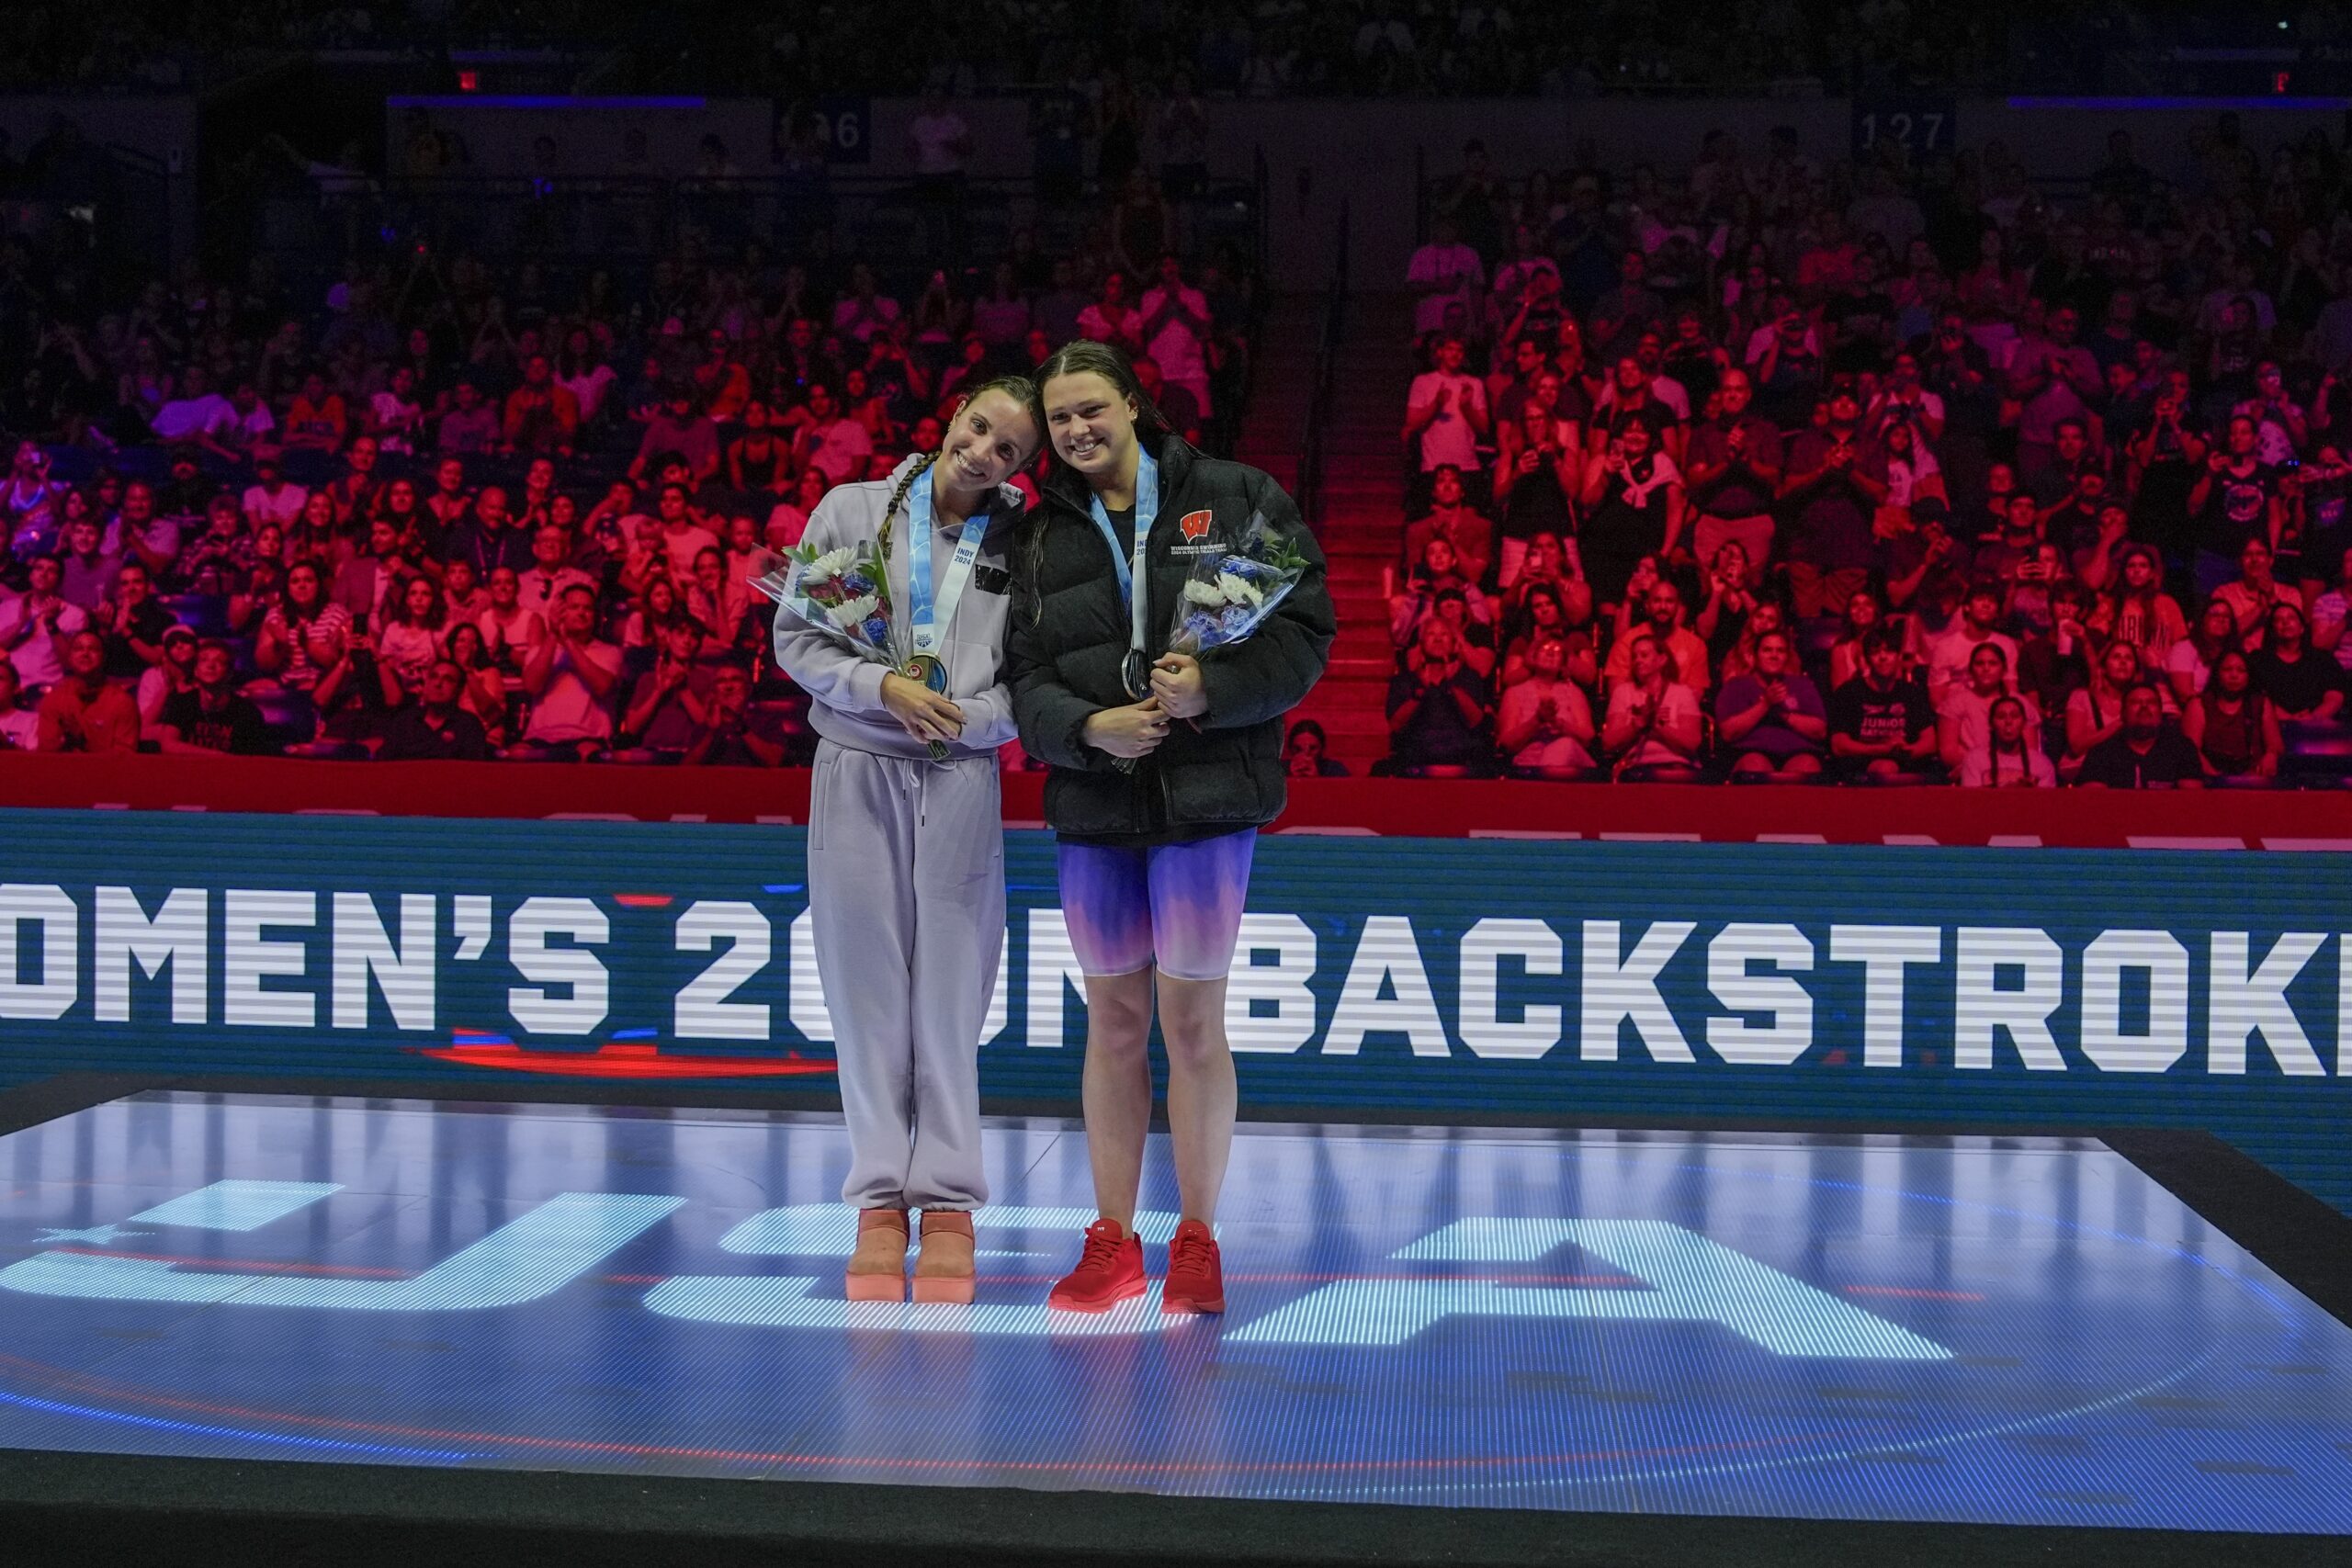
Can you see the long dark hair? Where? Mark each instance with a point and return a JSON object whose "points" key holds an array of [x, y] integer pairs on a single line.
{"points": [[1083, 356]]}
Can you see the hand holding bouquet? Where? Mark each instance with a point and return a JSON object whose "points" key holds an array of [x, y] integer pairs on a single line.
{"points": [[844, 593], [1231, 593]]}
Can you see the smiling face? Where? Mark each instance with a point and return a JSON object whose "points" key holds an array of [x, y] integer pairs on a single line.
{"points": [[994, 434], [1091, 425]]}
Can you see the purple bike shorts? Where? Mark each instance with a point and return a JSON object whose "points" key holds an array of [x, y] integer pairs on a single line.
{"points": [[1177, 906]]}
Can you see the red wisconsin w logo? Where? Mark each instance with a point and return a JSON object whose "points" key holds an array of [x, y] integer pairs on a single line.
{"points": [[1197, 524]]}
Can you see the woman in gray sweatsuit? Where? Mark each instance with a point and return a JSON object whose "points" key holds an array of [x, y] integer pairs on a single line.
{"points": [[906, 854]]}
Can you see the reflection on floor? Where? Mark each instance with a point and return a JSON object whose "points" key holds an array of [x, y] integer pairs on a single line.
{"points": [[2012, 1330]]}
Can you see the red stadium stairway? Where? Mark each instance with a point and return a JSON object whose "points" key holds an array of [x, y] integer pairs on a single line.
{"points": [[1363, 527]]}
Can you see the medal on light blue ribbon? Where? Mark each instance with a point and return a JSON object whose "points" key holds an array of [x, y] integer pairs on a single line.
{"points": [[1134, 583], [929, 612]]}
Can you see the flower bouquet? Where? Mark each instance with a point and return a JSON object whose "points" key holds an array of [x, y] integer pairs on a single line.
{"points": [[844, 594], [1230, 594]]}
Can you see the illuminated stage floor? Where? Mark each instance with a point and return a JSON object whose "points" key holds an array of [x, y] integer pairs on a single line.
{"points": [[2022, 1331]]}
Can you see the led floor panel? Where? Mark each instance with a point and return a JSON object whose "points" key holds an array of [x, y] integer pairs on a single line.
{"points": [[2023, 1331]]}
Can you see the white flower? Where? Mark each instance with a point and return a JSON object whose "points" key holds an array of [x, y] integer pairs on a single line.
{"points": [[852, 614], [1209, 593], [829, 565], [1239, 590]]}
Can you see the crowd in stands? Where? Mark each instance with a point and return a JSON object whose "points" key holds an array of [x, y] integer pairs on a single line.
{"points": [[1785, 471], [1110, 50], [468, 511]]}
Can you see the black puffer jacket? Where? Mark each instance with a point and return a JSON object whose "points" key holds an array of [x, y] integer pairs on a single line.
{"points": [[1067, 642]]}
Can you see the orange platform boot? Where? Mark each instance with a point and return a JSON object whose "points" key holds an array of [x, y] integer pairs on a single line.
{"points": [[877, 1268], [944, 1267]]}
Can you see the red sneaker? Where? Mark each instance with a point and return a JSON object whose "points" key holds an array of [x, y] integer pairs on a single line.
{"points": [[1195, 1271], [1108, 1272]]}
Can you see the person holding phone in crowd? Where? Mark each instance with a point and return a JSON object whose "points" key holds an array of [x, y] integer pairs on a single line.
{"points": [[906, 852], [1162, 766]]}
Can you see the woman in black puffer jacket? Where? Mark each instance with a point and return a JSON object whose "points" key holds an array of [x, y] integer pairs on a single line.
{"points": [[1163, 768]]}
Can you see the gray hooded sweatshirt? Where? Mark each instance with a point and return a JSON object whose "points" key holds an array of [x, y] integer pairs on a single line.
{"points": [[848, 708]]}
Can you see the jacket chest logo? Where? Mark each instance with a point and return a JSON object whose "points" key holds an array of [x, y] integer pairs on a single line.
{"points": [[1197, 524]]}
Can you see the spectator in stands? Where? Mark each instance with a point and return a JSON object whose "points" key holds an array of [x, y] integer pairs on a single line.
{"points": [[1964, 716], [2146, 752], [1538, 472], [1437, 711], [831, 442], [1949, 656], [483, 693], [486, 539], [1306, 753], [550, 571], [1445, 415], [29, 502], [1734, 472], [1177, 333], [2008, 757], [367, 578], [133, 622], [1441, 272], [316, 420], [1552, 561], [1831, 545], [2095, 714], [1543, 726], [542, 415], [1662, 612], [410, 640], [678, 430], [2301, 682], [36, 626], [1176, 404], [2189, 666], [210, 717], [19, 725], [1633, 510], [1111, 318], [437, 727], [86, 712], [725, 737], [1865, 610], [195, 414], [89, 569], [2235, 502], [1654, 732], [2331, 612], [568, 676], [1882, 726], [1545, 615], [513, 630], [1438, 573], [2234, 726], [2136, 608], [2253, 591], [1772, 720], [471, 425], [666, 711]]}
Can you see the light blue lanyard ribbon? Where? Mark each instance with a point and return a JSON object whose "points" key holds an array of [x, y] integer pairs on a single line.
{"points": [[1131, 568], [925, 614]]}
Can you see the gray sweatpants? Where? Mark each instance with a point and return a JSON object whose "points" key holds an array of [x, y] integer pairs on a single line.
{"points": [[906, 879]]}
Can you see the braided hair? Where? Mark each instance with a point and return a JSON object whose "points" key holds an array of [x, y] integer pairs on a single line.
{"points": [[1020, 389]]}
